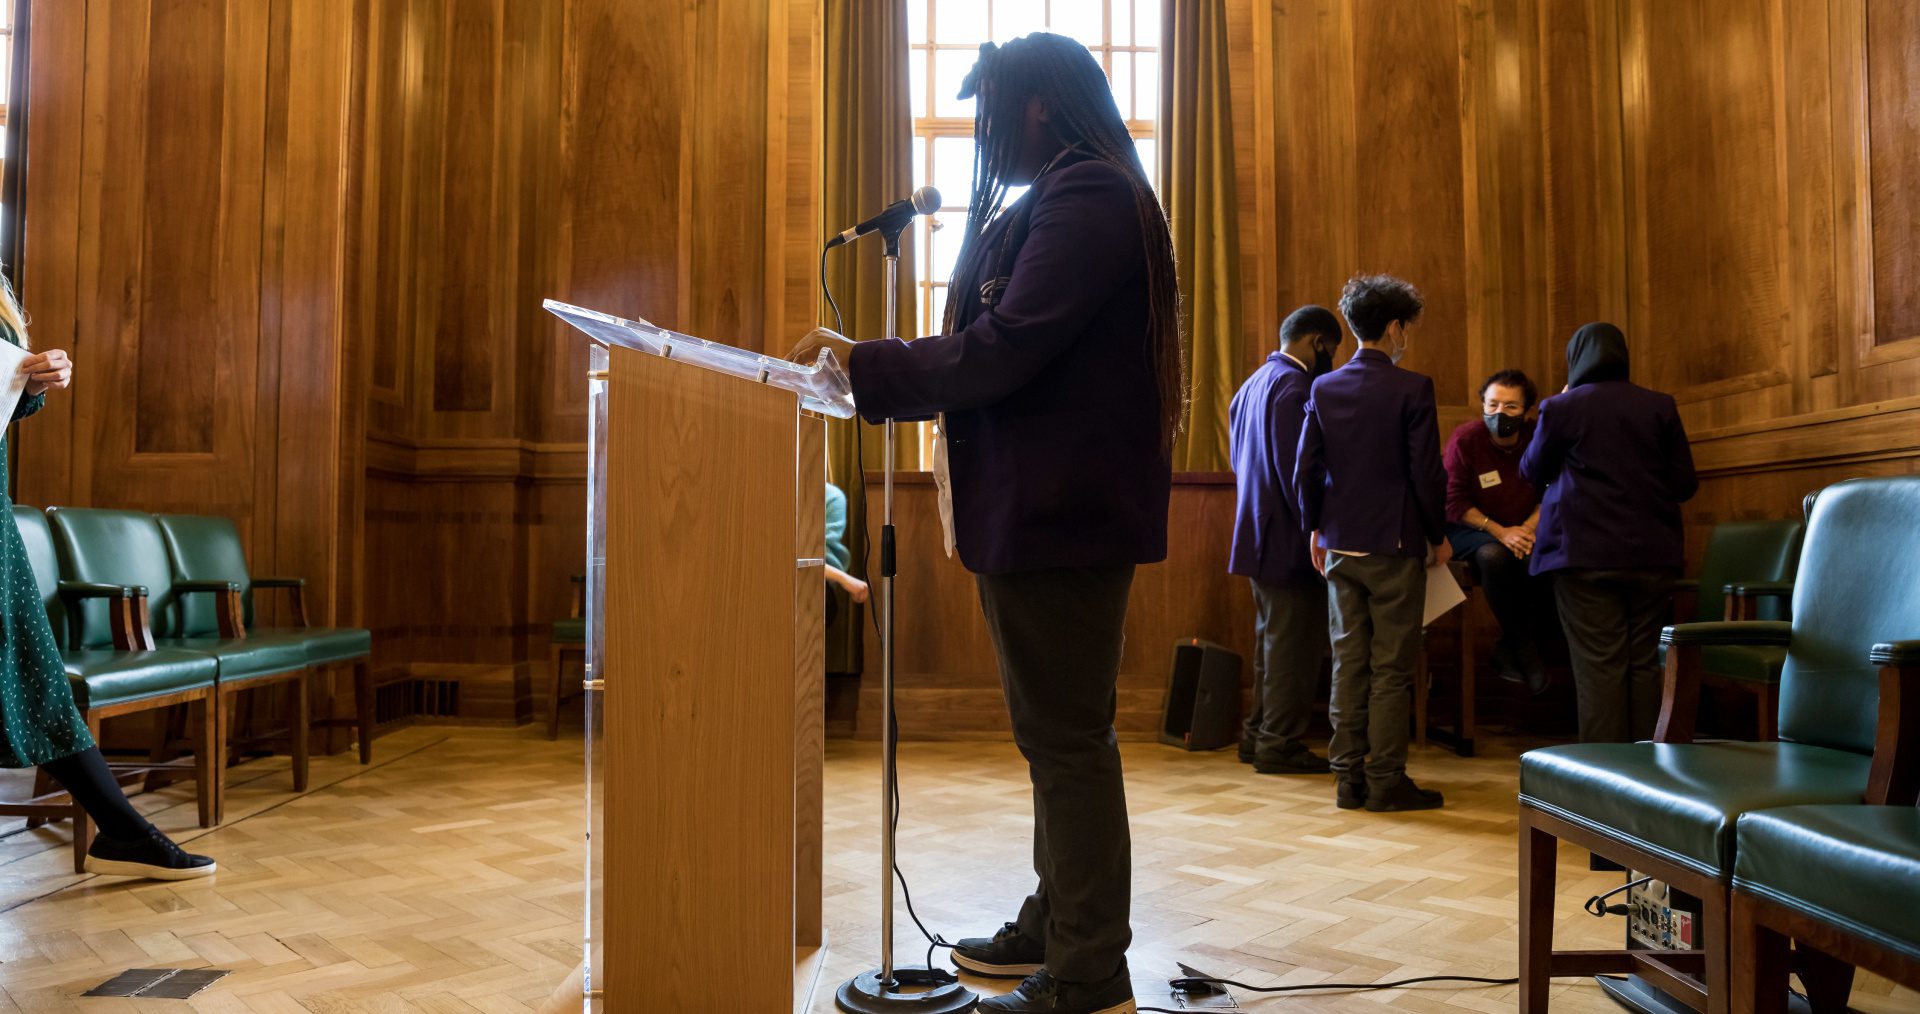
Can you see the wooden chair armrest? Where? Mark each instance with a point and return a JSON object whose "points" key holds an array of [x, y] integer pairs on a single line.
{"points": [[1742, 596], [1680, 690], [126, 613], [227, 603], [1895, 776], [296, 589]]}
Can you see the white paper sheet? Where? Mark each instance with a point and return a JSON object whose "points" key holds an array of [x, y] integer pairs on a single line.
{"points": [[1443, 593], [13, 383]]}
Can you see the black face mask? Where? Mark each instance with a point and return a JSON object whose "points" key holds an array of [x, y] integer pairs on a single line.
{"points": [[1502, 425]]}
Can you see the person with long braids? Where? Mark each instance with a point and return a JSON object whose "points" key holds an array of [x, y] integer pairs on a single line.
{"points": [[1060, 379], [39, 724]]}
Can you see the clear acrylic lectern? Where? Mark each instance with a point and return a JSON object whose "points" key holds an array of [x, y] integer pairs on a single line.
{"points": [[705, 669]]}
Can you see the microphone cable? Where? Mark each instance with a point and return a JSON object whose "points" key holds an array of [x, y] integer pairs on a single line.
{"points": [[1207, 985]]}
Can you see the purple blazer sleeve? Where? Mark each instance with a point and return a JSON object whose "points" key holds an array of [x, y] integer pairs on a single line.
{"points": [[1079, 249], [1286, 418], [1429, 480], [1310, 470], [1547, 453]]}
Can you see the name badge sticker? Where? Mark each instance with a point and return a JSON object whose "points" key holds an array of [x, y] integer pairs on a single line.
{"points": [[1488, 480]]}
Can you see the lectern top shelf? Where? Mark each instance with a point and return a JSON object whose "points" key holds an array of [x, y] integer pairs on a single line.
{"points": [[822, 387]]}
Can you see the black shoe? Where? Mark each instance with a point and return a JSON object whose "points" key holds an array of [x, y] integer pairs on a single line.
{"points": [[1402, 796], [1350, 793], [1008, 954], [1043, 992], [1532, 671], [1246, 751], [154, 857], [1300, 762]]}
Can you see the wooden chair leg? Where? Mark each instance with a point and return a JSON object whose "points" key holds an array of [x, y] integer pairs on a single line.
{"points": [[159, 752], [556, 658], [1716, 927], [82, 823], [1539, 851], [1469, 677], [1828, 980], [1760, 963], [1767, 703], [363, 707], [1421, 677], [222, 727], [206, 774], [42, 784], [302, 728]]}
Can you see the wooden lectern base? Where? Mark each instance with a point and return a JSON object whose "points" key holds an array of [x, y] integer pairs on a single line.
{"points": [[807, 963]]}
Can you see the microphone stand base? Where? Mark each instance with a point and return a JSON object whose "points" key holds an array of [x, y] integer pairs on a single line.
{"points": [[914, 991]]}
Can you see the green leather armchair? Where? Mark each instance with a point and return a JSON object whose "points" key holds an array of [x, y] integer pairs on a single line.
{"points": [[206, 555], [114, 678], [1747, 573], [127, 548], [1669, 808]]}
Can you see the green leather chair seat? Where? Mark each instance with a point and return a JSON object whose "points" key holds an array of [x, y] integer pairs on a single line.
{"points": [[1681, 801], [1744, 664], [249, 657], [1857, 867], [572, 631], [101, 678], [325, 644]]}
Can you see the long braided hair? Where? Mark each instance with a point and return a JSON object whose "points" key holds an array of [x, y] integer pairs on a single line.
{"points": [[1064, 75]]}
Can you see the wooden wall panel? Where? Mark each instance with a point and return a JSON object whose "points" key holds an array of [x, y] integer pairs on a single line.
{"points": [[1893, 131]]}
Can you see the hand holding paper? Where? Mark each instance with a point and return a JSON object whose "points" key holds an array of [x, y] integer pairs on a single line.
{"points": [[51, 370]]}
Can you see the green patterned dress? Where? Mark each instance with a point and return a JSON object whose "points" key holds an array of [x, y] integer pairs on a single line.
{"points": [[38, 720]]}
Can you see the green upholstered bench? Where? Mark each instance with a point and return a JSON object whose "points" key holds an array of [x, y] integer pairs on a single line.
{"points": [[1841, 882], [1670, 808], [205, 548], [127, 548], [1747, 573], [108, 681]]}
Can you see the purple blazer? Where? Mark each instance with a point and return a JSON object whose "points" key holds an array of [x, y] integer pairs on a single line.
{"points": [[1263, 435], [1053, 415], [1616, 466], [1369, 463]]}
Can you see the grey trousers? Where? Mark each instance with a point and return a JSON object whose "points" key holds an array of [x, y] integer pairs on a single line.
{"points": [[1290, 639], [1613, 620], [1375, 606], [1058, 635]]}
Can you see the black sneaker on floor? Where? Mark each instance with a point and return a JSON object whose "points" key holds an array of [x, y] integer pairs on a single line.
{"points": [[1299, 762], [154, 857], [1403, 796], [1042, 992], [1008, 954], [1350, 794]]}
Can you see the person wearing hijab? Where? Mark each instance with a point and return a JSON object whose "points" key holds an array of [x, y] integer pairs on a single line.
{"points": [[1614, 461]]}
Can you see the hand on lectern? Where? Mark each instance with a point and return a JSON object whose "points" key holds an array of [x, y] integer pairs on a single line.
{"points": [[807, 351]]}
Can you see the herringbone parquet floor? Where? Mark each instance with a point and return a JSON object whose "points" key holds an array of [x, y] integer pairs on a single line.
{"points": [[445, 879]]}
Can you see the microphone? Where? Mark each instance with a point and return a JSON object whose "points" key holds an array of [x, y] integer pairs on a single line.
{"points": [[925, 201]]}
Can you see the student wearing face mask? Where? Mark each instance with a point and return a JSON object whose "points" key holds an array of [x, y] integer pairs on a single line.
{"points": [[1492, 514], [1270, 544], [1374, 495], [1614, 460]]}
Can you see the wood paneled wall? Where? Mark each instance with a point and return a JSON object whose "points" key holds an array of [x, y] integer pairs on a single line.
{"points": [[185, 241], [654, 161]]}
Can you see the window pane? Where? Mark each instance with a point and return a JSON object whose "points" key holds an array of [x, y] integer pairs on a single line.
{"points": [[919, 161], [917, 20], [953, 169], [959, 21], [1081, 19], [1122, 22], [1146, 22], [1013, 18], [1147, 86], [937, 312], [1149, 159], [1123, 83], [950, 67], [917, 82], [946, 244]]}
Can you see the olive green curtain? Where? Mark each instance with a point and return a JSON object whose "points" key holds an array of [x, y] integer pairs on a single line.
{"points": [[1197, 186], [866, 164]]}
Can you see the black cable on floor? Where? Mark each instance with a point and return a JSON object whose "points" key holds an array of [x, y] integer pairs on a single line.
{"points": [[1190, 981]]}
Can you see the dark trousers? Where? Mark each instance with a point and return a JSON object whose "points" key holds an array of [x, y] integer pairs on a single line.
{"points": [[1058, 636], [1613, 620], [1518, 599], [1290, 640], [1375, 604]]}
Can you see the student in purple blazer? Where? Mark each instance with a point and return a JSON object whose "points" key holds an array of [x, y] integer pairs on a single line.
{"points": [[1060, 375], [1614, 460], [1373, 493], [1270, 544]]}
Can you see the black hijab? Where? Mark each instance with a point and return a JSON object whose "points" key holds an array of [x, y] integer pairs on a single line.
{"points": [[1598, 352]]}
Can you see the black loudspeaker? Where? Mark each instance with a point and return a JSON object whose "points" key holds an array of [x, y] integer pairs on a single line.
{"points": [[1203, 697]]}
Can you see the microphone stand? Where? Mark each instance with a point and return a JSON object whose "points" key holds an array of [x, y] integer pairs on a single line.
{"points": [[887, 990]]}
